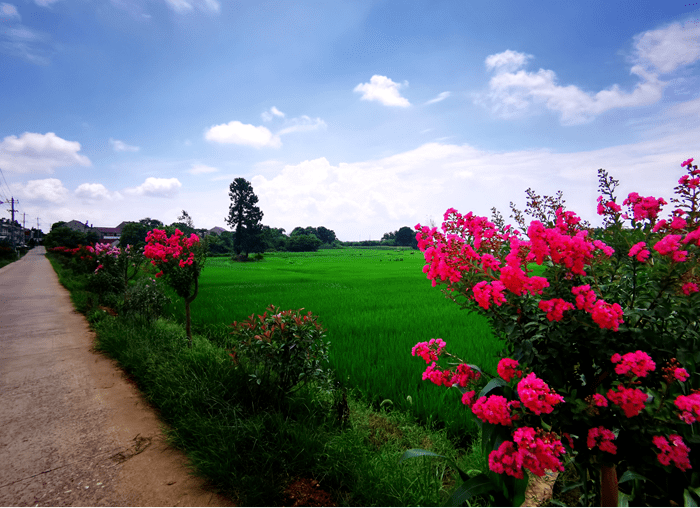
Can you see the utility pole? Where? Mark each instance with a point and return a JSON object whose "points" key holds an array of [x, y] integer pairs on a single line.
{"points": [[12, 224]]}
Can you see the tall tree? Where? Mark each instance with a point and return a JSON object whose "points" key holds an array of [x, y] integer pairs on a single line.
{"points": [[244, 217]]}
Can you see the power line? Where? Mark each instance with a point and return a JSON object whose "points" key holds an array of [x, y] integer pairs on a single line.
{"points": [[7, 186]]}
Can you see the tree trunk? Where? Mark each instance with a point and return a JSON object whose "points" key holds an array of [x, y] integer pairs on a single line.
{"points": [[187, 321], [608, 486]]}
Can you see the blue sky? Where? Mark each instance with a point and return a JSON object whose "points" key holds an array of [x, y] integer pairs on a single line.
{"points": [[360, 116]]}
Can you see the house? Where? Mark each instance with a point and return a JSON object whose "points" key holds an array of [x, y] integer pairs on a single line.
{"points": [[111, 235], [216, 231]]}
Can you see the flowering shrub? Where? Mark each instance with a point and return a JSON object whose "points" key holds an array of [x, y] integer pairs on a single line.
{"points": [[145, 298], [606, 307], [281, 351], [180, 260]]}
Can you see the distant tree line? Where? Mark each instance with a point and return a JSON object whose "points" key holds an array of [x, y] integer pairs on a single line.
{"points": [[249, 234]]}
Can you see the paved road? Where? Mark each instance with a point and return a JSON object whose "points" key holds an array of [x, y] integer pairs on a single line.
{"points": [[73, 430]]}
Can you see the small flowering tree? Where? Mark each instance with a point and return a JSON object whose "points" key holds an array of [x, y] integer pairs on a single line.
{"points": [[606, 308], [180, 261], [120, 263]]}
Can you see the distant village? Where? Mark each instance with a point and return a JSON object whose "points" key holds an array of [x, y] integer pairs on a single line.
{"points": [[18, 236]]}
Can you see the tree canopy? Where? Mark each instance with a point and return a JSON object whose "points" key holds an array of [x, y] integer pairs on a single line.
{"points": [[134, 233], [404, 236], [322, 233]]}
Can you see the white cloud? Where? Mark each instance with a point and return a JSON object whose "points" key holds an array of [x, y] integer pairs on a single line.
{"points": [[302, 124], [21, 41], [368, 198], [39, 153], [156, 187], [511, 93], [95, 191], [384, 90], [668, 48], [239, 133], [8, 11], [120, 146], [198, 169], [183, 6], [441, 97], [269, 115], [508, 61], [49, 189], [179, 5]]}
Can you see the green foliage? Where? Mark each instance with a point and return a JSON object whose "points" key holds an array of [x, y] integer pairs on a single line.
{"points": [[281, 352], [221, 244], [6, 250], [274, 238], [64, 237], [134, 233], [244, 216], [146, 298], [303, 243]]}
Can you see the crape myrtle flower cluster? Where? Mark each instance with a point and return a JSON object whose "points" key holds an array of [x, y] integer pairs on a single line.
{"points": [[536, 450], [468, 245], [161, 249]]}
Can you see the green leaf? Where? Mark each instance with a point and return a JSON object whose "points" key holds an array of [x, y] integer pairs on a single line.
{"points": [[571, 486], [623, 499], [556, 502], [688, 499], [418, 452], [496, 382], [631, 475], [519, 489], [477, 486]]}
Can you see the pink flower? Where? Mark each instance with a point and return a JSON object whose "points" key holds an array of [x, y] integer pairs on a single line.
{"points": [[607, 315], [585, 297], [493, 409], [689, 406], [507, 369], [667, 245], [634, 364], [602, 438], [468, 398], [555, 308], [681, 374], [535, 451], [686, 163], [485, 293], [599, 400], [631, 400], [506, 459], [436, 376], [464, 375], [429, 351], [673, 450], [536, 395], [640, 252]]}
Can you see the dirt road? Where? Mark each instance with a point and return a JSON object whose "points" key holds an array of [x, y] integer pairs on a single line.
{"points": [[73, 430]]}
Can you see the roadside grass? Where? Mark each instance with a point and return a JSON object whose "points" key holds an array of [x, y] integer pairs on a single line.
{"points": [[251, 454]]}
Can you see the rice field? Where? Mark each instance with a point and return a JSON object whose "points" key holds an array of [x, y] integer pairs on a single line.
{"points": [[375, 304]]}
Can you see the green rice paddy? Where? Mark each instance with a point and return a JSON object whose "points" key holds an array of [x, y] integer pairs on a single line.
{"points": [[375, 304]]}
